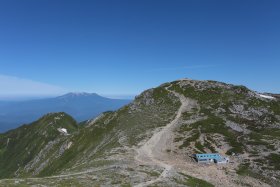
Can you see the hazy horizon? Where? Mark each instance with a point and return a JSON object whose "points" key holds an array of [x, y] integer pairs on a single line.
{"points": [[107, 95], [125, 47], [35, 97]]}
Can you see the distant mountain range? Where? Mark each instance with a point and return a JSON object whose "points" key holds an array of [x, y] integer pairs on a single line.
{"points": [[81, 106]]}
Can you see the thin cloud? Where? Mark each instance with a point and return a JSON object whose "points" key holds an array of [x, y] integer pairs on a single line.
{"points": [[15, 86], [181, 68]]}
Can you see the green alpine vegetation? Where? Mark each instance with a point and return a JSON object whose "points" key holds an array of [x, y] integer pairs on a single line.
{"points": [[150, 142], [20, 148]]}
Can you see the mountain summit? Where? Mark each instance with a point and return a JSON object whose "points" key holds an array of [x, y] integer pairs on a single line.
{"points": [[151, 141], [78, 94]]}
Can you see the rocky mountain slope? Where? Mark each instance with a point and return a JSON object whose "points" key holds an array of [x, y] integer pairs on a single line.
{"points": [[150, 142], [29, 148], [82, 106]]}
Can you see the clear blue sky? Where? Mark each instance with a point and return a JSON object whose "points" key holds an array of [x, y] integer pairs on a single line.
{"points": [[122, 47]]}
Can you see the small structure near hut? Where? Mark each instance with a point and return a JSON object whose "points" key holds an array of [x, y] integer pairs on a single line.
{"points": [[211, 157]]}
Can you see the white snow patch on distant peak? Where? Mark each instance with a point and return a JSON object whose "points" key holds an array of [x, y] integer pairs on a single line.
{"points": [[266, 96]]}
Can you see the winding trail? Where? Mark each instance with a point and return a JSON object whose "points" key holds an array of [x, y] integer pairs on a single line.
{"points": [[62, 175], [153, 152]]}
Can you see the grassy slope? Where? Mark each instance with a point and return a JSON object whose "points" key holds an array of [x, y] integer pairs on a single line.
{"points": [[132, 123], [18, 147]]}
